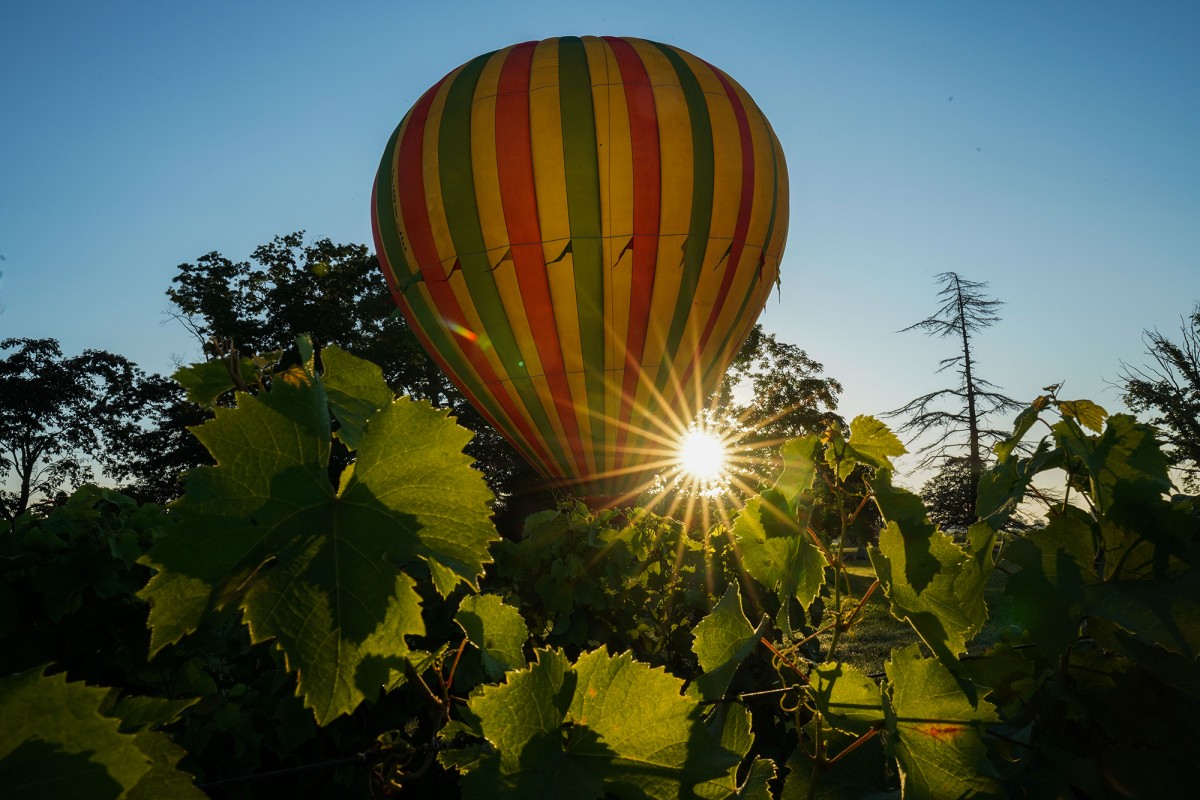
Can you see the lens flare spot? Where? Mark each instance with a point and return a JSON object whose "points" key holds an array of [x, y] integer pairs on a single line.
{"points": [[702, 456]]}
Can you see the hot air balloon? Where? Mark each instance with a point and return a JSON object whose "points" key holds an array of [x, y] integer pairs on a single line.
{"points": [[582, 232]]}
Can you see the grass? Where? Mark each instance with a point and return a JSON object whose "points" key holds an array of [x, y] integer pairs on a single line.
{"points": [[876, 632]]}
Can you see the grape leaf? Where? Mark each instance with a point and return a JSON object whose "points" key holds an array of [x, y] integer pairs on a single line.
{"points": [[356, 391], [163, 779], [757, 785], [937, 731], [1164, 613], [1003, 487], [723, 640], [1088, 414], [849, 700], [496, 629], [1126, 452], [55, 742], [799, 466], [607, 724], [730, 724], [775, 551], [946, 607], [206, 381], [137, 712], [314, 568], [871, 443], [1021, 426]]}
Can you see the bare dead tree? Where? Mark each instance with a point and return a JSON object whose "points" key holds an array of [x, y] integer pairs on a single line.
{"points": [[957, 414]]}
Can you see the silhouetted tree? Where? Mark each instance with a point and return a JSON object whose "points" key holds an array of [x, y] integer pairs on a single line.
{"points": [[957, 415], [1169, 388], [59, 418], [950, 494]]}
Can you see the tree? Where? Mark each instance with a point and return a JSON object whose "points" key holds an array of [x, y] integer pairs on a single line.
{"points": [[59, 418], [965, 310], [950, 495], [1169, 388], [151, 455], [785, 393]]}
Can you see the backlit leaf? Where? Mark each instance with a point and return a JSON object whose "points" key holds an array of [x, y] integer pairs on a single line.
{"points": [[312, 567], [799, 466], [871, 443], [849, 700], [857, 776], [723, 640], [1088, 414], [933, 585], [937, 731], [497, 629], [1046, 592], [206, 381], [607, 724], [356, 390]]}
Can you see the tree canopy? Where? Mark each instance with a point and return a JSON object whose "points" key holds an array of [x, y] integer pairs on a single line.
{"points": [[60, 418]]}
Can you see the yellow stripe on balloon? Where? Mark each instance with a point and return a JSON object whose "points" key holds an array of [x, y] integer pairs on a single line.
{"points": [[615, 155], [486, 173], [488, 201]]}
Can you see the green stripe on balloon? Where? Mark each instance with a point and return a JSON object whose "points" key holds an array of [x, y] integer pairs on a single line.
{"points": [[462, 215], [582, 164], [701, 218]]}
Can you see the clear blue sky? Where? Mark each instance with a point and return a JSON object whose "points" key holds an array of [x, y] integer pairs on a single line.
{"points": [[1052, 149]]}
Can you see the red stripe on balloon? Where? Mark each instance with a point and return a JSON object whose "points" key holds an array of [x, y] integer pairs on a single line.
{"points": [[743, 221], [647, 200], [420, 237], [518, 196]]}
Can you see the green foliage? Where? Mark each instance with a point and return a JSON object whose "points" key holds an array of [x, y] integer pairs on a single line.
{"points": [[357, 614], [639, 580], [313, 566], [58, 740]]}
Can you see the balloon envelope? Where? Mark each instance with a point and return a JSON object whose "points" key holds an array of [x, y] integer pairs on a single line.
{"points": [[582, 232]]}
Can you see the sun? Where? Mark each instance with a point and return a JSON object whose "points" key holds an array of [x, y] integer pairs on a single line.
{"points": [[702, 456]]}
